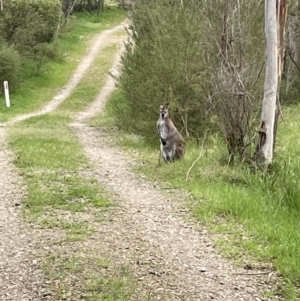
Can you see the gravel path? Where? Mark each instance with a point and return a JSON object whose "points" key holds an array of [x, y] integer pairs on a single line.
{"points": [[18, 273], [170, 258], [20, 278]]}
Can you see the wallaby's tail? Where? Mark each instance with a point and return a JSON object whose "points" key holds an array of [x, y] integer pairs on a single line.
{"points": [[180, 149]]}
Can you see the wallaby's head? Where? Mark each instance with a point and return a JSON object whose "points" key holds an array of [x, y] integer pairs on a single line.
{"points": [[163, 110]]}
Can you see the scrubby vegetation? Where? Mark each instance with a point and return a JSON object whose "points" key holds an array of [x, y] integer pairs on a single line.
{"points": [[30, 31], [206, 58], [190, 57], [35, 76], [26, 28]]}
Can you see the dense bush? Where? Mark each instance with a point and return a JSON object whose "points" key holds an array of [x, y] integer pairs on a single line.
{"points": [[205, 67], [9, 66], [27, 28], [125, 4], [68, 6], [89, 5], [27, 23], [164, 66]]}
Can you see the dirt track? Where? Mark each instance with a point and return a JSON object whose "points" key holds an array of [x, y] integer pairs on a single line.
{"points": [[169, 258], [19, 277]]}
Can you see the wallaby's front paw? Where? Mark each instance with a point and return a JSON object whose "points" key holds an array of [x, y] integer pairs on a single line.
{"points": [[163, 141]]}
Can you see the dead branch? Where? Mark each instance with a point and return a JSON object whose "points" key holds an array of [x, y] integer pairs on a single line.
{"points": [[70, 10], [254, 274], [251, 140], [293, 61], [200, 155]]}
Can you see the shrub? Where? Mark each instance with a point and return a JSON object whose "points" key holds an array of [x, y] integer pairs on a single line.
{"points": [[236, 63], [125, 4], [29, 22], [164, 65], [9, 66], [30, 26], [181, 55]]}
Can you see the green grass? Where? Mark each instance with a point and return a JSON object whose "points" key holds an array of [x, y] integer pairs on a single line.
{"points": [[50, 159], [259, 214], [71, 45], [84, 276], [73, 229], [45, 142]]}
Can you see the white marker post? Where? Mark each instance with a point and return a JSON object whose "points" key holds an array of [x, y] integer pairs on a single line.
{"points": [[6, 91]]}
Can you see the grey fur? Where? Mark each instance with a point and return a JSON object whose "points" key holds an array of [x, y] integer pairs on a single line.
{"points": [[172, 144]]}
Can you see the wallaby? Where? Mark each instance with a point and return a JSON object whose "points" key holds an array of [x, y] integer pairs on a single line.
{"points": [[172, 145]]}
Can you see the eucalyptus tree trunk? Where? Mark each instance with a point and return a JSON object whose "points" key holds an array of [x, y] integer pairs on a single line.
{"points": [[266, 133]]}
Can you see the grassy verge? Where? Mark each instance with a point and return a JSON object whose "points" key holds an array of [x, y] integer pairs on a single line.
{"points": [[70, 46], [259, 215]]}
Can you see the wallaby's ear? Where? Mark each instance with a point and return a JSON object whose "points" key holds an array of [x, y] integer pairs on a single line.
{"points": [[167, 105]]}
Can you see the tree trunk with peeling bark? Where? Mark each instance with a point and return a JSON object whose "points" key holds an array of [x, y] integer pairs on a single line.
{"points": [[266, 133]]}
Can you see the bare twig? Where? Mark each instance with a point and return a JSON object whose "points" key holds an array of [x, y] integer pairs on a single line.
{"points": [[58, 24], [280, 110], [200, 155], [291, 57], [254, 274], [251, 140], [86, 12], [115, 77], [70, 10]]}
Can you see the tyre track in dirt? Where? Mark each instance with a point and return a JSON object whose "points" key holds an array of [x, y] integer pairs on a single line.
{"points": [[98, 43], [20, 277], [18, 274], [169, 258]]}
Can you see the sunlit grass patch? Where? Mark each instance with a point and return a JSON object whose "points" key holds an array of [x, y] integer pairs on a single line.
{"points": [[46, 142]]}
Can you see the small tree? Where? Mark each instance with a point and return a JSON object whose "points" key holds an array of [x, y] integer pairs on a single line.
{"points": [[235, 61]]}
